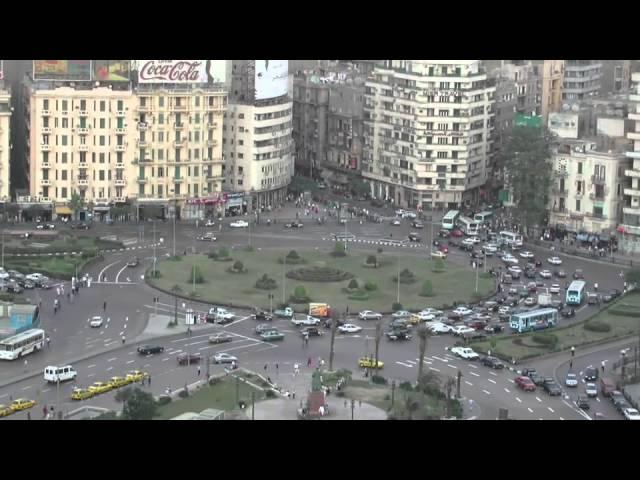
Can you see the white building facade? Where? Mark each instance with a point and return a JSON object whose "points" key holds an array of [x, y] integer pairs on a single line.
{"points": [[5, 143], [427, 132]]}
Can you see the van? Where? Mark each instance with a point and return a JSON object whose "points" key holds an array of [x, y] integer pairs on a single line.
{"points": [[607, 386], [62, 374]]}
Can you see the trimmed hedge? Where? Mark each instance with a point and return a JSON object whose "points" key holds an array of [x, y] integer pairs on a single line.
{"points": [[359, 296], [379, 379], [370, 286], [545, 338], [396, 306], [624, 313], [266, 283], [319, 274], [406, 277], [597, 326]]}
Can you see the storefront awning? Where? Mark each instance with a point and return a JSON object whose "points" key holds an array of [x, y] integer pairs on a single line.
{"points": [[63, 211]]}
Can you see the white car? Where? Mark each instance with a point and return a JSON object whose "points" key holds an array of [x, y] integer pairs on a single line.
{"points": [[438, 254], [508, 258], [95, 322], [504, 310], [461, 330], [526, 254], [490, 247], [425, 316], [349, 328], [545, 274], [465, 352], [36, 277], [554, 261], [369, 315], [438, 327], [591, 390], [410, 215], [468, 241], [239, 224], [395, 222], [224, 358], [307, 321], [400, 212], [515, 268], [222, 314], [210, 223], [530, 301], [4, 275], [433, 311], [401, 314], [631, 414], [571, 380], [555, 288], [463, 311]]}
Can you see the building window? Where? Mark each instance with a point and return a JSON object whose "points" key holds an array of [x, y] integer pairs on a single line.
{"points": [[161, 119], [64, 139], [161, 101], [63, 175], [64, 157], [63, 192], [240, 156], [120, 105], [103, 123], [101, 139], [101, 175], [65, 105], [101, 157], [103, 106], [579, 168], [45, 104], [577, 205]]}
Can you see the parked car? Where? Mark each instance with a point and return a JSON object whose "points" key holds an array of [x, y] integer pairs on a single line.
{"points": [[560, 273], [457, 233], [460, 330], [369, 315], [398, 334], [545, 274], [220, 338], [465, 353], [95, 322], [525, 383], [526, 254], [554, 288], [417, 224], [492, 362], [438, 254], [495, 328], [568, 312], [224, 358], [189, 358], [444, 233], [530, 301], [401, 314], [438, 327], [150, 349], [462, 311], [631, 414]]}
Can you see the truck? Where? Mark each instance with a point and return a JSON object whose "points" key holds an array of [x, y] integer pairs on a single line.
{"points": [[285, 312], [322, 310], [544, 299]]}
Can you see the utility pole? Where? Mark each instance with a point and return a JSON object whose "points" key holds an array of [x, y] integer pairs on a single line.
{"points": [[175, 207], [284, 262], [58, 394], [353, 406], [237, 390], [458, 383], [476, 268], [393, 392], [3, 230], [398, 282], [175, 308], [154, 249]]}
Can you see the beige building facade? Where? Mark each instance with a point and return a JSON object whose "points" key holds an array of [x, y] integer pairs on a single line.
{"points": [[552, 78], [5, 143]]}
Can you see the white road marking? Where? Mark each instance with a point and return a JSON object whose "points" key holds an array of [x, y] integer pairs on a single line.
{"points": [[468, 383], [146, 365], [452, 366], [91, 366], [507, 390], [561, 418], [132, 353], [27, 387], [597, 399], [121, 270], [471, 365], [46, 390], [550, 409], [130, 361], [109, 369], [518, 399], [102, 271], [538, 398], [529, 408], [237, 321], [111, 343], [91, 375], [404, 364], [511, 380], [493, 373], [492, 381], [441, 359], [411, 362], [434, 369], [112, 359], [475, 374], [107, 340], [487, 392]]}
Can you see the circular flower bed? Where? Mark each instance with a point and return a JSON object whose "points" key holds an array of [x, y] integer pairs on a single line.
{"points": [[319, 274]]}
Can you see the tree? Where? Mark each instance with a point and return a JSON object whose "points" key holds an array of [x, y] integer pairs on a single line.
{"points": [[353, 284], [427, 289], [423, 335], [527, 172], [359, 187], [140, 406], [448, 388], [378, 338], [238, 266], [76, 203], [372, 260], [300, 292], [123, 395], [334, 325], [632, 276], [196, 275]]}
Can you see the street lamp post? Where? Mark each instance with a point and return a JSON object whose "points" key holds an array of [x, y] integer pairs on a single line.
{"points": [[154, 249], [271, 303], [398, 283], [284, 262], [58, 394]]}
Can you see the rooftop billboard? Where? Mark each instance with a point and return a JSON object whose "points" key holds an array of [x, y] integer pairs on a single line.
{"points": [[181, 71], [62, 70], [112, 70], [272, 78]]}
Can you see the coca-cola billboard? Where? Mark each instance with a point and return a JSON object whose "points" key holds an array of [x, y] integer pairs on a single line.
{"points": [[181, 71]]}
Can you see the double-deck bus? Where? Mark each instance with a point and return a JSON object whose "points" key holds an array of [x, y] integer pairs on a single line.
{"points": [[533, 320], [22, 344], [575, 292], [449, 220], [468, 226]]}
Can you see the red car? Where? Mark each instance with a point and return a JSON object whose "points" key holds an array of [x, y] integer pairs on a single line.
{"points": [[443, 248], [525, 383], [457, 233]]}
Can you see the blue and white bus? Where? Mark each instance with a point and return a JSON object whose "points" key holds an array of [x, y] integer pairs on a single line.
{"points": [[575, 292], [22, 344], [533, 320], [468, 226], [511, 239], [450, 219], [483, 217]]}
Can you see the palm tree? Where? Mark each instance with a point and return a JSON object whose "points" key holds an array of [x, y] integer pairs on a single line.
{"points": [[76, 203], [448, 387], [423, 335], [123, 395], [378, 338], [334, 325]]}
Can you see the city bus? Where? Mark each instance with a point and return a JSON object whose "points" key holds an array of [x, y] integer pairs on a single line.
{"points": [[483, 217], [511, 239], [468, 226], [533, 320], [22, 344], [575, 292], [449, 220]]}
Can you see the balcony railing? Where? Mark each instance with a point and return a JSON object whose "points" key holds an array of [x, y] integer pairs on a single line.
{"points": [[120, 182], [45, 182], [46, 130], [142, 126], [121, 130], [178, 126], [560, 210], [83, 131], [596, 180], [558, 191], [599, 216], [121, 148], [596, 196], [142, 180], [561, 173], [83, 147]]}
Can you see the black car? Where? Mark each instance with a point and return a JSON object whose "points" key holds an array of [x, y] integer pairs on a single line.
{"points": [[560, 273], [414, 237], [415, 224], [150, 349], [591, 374], [607, 297], [133, 263], [311, 332], [492, 362], [293, 225], [444, 233], [621, 404], [262, 316], [533, 375], [398, 334], [582, 402], [568, 312], [578, 275], [26, 284], [538, 263], [551, 387], [530, 274], [493, 328], [615, 293], [326, 323]]}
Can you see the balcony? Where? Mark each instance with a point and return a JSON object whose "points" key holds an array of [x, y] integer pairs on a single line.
{"points": [[212, 143], [179, 107], [46, 113], [83, 181], [179, 143], [121, 131], [83, 113], [120, 165], [45, 182], [45, 130], [598, 180], [558, 191], [120, 113], [631, 210], [142, 126], [121, 148], [211, 176], [560, 173], [178, 126], [634, 154], [82, 130], [120, 199], [633, 135], [212, 124], [633, 192], [83, 164], [120, 182], [560, 210], [145, 108], [141, 180], [141, 143], [596, 216], [45, 165], [46, 147], [83, 147], [635, 116], [178, 179], [632, 173], [579, 194]]}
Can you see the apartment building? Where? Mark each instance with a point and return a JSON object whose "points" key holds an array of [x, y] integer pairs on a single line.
{"points": [[5, 144], [629, 229], [81, 139], [588, 181], [178, 149], [428, 126], [258, 145], [616, 76], [581, 79], [552, 76]]}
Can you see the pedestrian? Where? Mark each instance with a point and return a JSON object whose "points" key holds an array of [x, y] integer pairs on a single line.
{"points": [[45, 411], [595, 286], [58, 291], [149, 380], [573, 351], [603, 366], [48, 342], [265, 367], [104, 306], [198, 370], [309, 362], [276, 368], [28, 415], [570, 364], [123, 339], [269, 380]]}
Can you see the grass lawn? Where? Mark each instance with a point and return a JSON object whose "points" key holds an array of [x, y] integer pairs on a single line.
{"points": [[574, 335], [454, 284], [221, 396], [61, 242], [60, 267]]}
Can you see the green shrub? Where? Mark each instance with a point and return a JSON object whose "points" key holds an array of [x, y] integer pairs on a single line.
{"points": [[427, 289], [456, 408], [396, 306], [196, 275], [300, 291], [597, 326], [164, 399], [359, 296], [176, 258], [156, 274], [372, 260], [624, 313], [548, 339], [406, 277], [407, 386], [266, 283], [380, 250], [438, 265], [339, 250], [353, 284], [378, 379], [213, 254], [270, 394], [89, 253], [293, 255], [183, 393], [238, 265], [214, 381], [319, 274], [370, 286]]}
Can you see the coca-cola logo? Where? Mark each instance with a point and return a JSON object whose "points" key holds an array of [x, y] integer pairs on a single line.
{"points": [[171, 71]]}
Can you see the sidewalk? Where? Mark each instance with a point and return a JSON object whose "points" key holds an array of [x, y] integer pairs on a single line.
{"points": [[625, 261], [158, 327]]}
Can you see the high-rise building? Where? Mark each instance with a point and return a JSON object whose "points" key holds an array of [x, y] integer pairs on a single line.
{"points": [[257, 135], [552, 77], [5, 144], [629, 230], [581, 79], [428, 126]]}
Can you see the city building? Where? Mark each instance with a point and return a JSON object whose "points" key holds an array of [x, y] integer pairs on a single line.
{"points": [[428, 126], [526, 81], [552, 76], [581, 79], [588, 180], [629, 229], [258, 146], [616, 76], [81, 139], [5, 140]]}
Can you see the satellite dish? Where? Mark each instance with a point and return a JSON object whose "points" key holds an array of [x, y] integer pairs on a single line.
{"points": [[575, 107], [566, 107]]}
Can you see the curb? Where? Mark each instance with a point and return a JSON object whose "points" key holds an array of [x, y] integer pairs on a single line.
{"points": [[622, 263]]}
